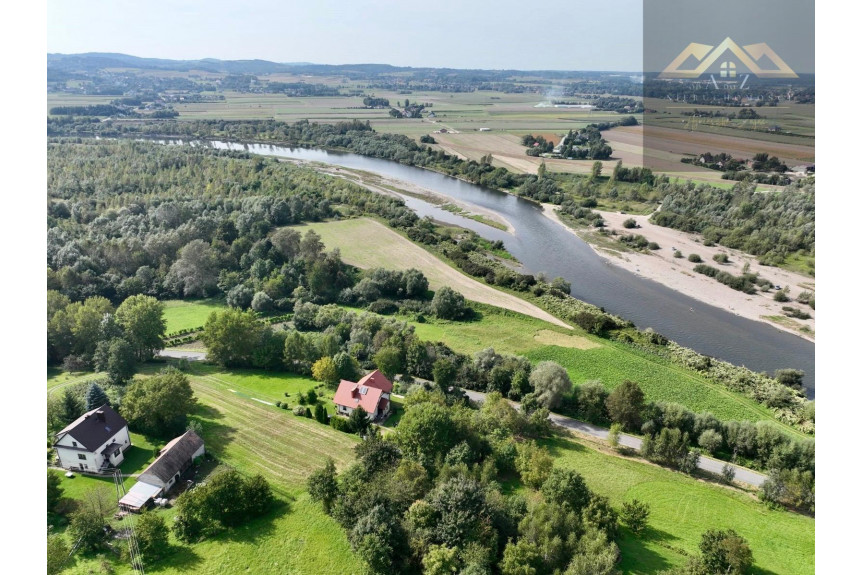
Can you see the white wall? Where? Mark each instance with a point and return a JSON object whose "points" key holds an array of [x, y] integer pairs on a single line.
{"points": [[69, 458]]}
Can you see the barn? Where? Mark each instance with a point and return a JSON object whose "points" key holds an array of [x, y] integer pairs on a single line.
{"points": [[158, 479]]}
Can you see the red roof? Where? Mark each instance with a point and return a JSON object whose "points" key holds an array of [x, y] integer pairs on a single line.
{"points": [[377, 380], [350, 394]]}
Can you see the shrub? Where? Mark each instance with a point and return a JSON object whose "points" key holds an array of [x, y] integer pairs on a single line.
{"points": [[448, 304], [653, 246], [300, 410], [721, 258], [728, 473], [781, 296], [614, 435], [630, 223], [710, 440], [340, 424], [678, 254], [694, 258], [634, 514], [689, 463]]}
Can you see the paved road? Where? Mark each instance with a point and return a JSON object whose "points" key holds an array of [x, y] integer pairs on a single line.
{"points": [[742, 474], [183, 354]]}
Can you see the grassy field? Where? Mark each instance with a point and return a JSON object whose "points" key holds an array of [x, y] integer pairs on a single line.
{"points": [[58, 379], [188, 314], [588, 357], [367, 244], [504, 118], [297, 537], [254, 438], [682, 508]]}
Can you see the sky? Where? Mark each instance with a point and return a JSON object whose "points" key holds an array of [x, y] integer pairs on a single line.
{"points": [[501, 34]]}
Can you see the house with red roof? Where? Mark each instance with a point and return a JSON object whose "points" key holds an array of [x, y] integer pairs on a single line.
{"points": [[372, 392]]}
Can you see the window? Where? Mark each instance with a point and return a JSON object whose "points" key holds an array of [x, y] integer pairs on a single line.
{"points": [[74, 444], [116, 452], [82, 456]]}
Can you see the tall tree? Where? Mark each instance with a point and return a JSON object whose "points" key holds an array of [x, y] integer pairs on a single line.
{"points": [[55, 490], [551, 383], [96, 396], [159, 405], [625, 404], [231, 337], [143, 322], [152, 534], [323, 486], [196, 271]]}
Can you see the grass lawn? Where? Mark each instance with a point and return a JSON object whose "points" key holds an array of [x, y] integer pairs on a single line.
{"points": [[587, 357], [297, 537], [682, 508], [135, 460], [58, 379], [188, 314], [254, 438], [396, 414]]}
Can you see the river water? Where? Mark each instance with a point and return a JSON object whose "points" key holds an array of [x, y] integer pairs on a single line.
{"points": [[544, 246]]}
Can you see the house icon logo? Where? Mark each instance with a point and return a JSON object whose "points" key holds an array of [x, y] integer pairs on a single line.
{"points": [[748, 56]]}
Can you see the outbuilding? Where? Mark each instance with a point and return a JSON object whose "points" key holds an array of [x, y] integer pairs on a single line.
{"points": [[163, 474]]}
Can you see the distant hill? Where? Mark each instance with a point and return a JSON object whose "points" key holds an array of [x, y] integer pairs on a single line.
{"points": [[94, 61]]}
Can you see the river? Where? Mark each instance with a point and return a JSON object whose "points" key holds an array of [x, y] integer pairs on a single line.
{"points": [[544, 246]]}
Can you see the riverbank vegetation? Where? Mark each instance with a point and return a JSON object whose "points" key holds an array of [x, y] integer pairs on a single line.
{"points": [[777, 226], [134, 218]]}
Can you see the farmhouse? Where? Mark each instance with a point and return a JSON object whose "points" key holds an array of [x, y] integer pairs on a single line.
{"points": [[372, 392], [95, 442], [162, 474]]}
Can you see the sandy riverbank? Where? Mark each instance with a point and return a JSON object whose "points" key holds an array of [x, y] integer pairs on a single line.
{"points": [[677, 273], [400, 188]]}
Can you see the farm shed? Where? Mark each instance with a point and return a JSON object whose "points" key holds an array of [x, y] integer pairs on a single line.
{"points": [[162, 474]]}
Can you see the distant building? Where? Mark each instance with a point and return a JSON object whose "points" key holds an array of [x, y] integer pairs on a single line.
{"points": [[163, 474], [94, 442], [372, 392]]}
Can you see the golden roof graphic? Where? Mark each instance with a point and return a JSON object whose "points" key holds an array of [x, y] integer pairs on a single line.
{"points": [[748, 56]]}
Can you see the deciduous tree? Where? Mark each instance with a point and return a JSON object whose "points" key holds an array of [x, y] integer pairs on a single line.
{"points": [[625, 404], [158, 405], [143, 323], [550, 382]]}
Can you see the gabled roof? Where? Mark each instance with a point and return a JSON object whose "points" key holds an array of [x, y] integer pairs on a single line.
{"points": [[378, 380], [174, 456], [95, 427], [350, 394]]}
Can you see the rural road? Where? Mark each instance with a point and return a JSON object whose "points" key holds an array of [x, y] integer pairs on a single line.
{"points": [[182, 354], [742, 474]]}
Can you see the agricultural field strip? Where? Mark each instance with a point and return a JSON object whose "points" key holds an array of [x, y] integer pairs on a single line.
{"points": [[287, 447], [372, 245]]}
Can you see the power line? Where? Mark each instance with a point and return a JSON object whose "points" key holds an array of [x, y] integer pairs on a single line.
{"points": [[134, 549]]}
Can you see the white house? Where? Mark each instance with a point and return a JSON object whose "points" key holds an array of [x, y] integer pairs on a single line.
{"points": [[94, 442], [163, 474], [371, 392]]}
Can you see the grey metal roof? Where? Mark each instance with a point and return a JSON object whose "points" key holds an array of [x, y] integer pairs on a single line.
{"points": [[174, 456]]}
